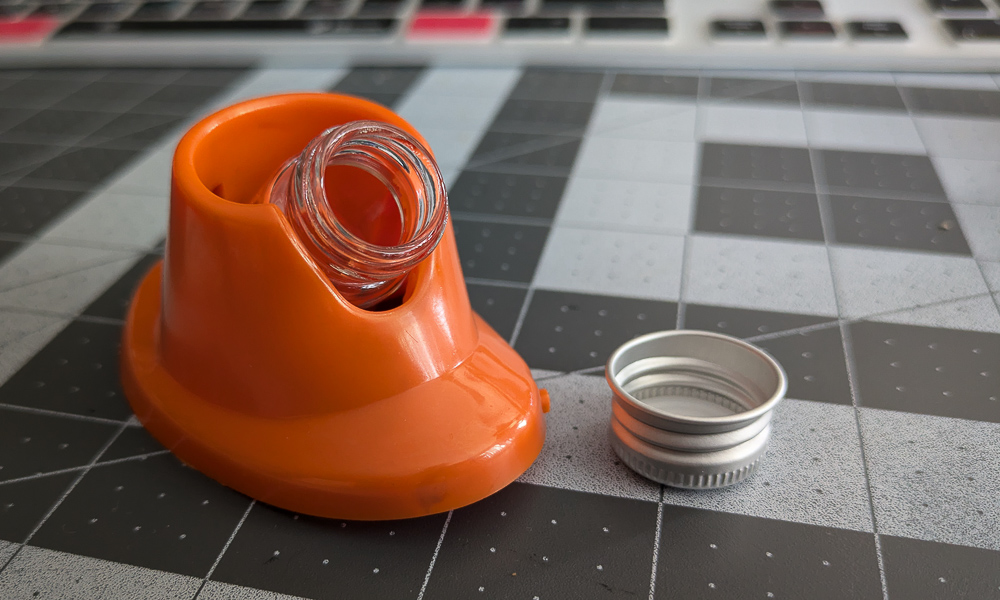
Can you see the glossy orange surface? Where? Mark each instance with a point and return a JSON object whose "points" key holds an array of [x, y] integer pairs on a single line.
{"points": [[240, 357]]}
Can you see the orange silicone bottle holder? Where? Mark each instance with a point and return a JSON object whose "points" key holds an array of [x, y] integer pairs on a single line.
{"points": [[242, 359]]}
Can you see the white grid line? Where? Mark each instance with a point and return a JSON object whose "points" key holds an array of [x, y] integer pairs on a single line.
{"points": [[437, 549]]}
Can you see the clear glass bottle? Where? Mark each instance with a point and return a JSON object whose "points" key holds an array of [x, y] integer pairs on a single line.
{"points": [[368, 202]]}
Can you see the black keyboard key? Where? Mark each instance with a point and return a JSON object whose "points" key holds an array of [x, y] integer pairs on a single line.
{"points": [[105, 12], [797, 9], [157, 11], [323, 9], [974, 29], [605, 7], [958, 5], [58, 11], [212, 10], [266, 10], [362, 27], [386, 8], [334, 27], [538, 25], [807, 29], [876, 30], [510, 6], [737, 28], [626, 25]]}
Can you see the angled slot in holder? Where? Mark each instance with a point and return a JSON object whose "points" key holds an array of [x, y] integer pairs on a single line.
{"points": [[243, 359]]}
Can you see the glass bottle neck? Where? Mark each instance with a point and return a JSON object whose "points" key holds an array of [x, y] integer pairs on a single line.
{"points": [[368, 202]]}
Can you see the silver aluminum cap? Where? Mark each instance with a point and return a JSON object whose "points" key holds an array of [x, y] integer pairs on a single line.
{"points": [[692, 409]]}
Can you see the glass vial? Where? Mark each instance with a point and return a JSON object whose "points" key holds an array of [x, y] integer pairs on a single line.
{"points": [[368, 202]]}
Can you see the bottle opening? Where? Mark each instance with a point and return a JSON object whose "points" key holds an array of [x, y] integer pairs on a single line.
{"points": [[365, 205], [368, 203]]}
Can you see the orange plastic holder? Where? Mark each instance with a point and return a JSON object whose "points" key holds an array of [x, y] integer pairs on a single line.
{"points": [[242, 359]]}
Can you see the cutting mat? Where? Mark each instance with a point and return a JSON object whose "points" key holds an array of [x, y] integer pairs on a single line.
{"points": [[849, 223]]}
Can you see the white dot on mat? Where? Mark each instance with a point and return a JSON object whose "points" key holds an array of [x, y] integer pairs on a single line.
{"points": [[553, 521], [945, 393], [600, 567], [712, 546], [552, 350], [535, 598], [94, 520], [161, 495], [204, 502], [770, 595], [503, 514], [277, 552], [482, 589], [711, 585], [768, 554], [119, 488], [375, 570], [493, 549], [137, 528], [826, 563], [343, 525], [326, 561], [392, 533], [605, 529], [545, 559], [942, 579], [295, 517], [64, 445]]}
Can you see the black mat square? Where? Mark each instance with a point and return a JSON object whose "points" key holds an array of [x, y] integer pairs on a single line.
{"points": [[114, 302], [110, 96], [18, 158], [178, 99], [764, 213], [770, 90], [908, 224], [553, 84], [133, 441], [507, 194], [852, 95], [24, 503], [499, 250], [745, 323], [813, 361], [973, 103], [7, 248], [385, 85], [61, 123], [773, 164], [926, 370], [321, 558], [38, 93], [135, 130], [88, 165], [35, 443], [531, 541], [707, 554], [655, 85], [879, 172], [499, 306], [566, 331], [555, 153], [77, 372], [153, 513], [815, 365], [543, 116], [10, 117], [922, 570], [26, 211]]}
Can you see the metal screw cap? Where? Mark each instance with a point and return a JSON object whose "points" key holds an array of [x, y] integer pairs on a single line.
{"points": [[692, 409]]}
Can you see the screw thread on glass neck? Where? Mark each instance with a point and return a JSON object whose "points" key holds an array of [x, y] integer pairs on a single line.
{"points": [[364, 272]]}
